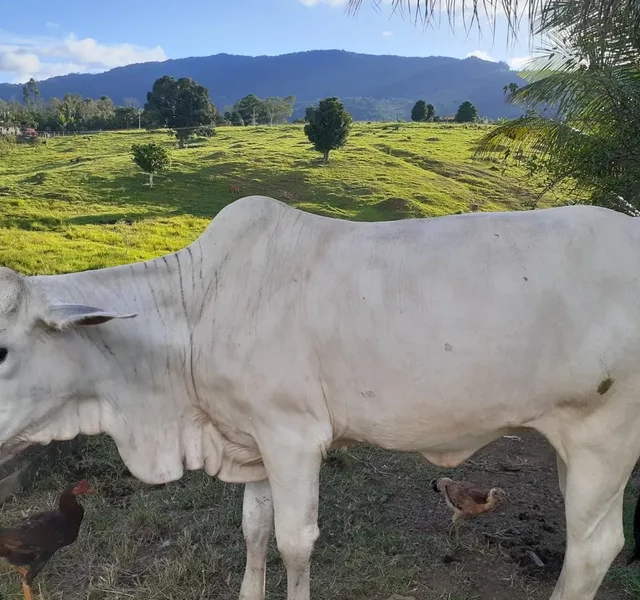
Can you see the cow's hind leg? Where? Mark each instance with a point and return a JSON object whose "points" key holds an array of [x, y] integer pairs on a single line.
{"points": [[257, 525], [598, 468]]}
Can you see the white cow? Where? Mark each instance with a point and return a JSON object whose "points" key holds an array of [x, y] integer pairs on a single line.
{"points": [[279, 334]]}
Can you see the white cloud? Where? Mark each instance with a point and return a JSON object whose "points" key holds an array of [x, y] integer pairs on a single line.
{"points": [[387, 33], [52, 25], [515, 62], [482, 54], [519, 62], [19, 61], [23, 57], [95, 55]]}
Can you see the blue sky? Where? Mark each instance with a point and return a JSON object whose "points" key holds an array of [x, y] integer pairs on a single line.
{"points": [[40, 38]]}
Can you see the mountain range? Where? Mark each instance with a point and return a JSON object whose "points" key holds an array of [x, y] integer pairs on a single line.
{"points": [[372, 87]]}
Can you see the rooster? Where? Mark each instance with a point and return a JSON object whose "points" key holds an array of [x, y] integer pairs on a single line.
{"points": [[466, 500], [31, 542]]}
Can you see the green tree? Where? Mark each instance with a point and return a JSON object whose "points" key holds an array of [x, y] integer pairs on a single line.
{"points": [[106, 108], [125, 117], [233, 117], [419, 111], [308, 114], [467, 113], [69, 111], [151, 158], [431, 112], [181, 105], [511, 88], [251, 110], [30, 91], [329, 126], [278, 109]]}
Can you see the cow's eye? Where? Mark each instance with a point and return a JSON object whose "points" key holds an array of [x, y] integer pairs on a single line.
{"points": [[3, 354]]}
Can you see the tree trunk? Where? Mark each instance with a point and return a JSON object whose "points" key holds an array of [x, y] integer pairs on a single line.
{"points": [[150, 180], [325, 154]]}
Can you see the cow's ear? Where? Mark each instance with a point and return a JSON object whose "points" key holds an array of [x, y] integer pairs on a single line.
{"points": [[64, 316]]}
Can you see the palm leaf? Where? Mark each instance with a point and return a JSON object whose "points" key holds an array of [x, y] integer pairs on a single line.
{"points": [[587, 16]]}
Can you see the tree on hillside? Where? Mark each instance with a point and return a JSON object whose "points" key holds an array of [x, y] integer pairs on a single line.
{"points": [[69, 111], [329, 126], [251, 110], [30, 91], [151, 158], [234, 117], [419, 111], [181, 105], [105, 107], [431, 112], [278, 109], [467, 113], [125, 117], [308, 114]]}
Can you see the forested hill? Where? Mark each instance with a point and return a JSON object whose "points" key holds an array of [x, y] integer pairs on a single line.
{"points": [[373, 87]]}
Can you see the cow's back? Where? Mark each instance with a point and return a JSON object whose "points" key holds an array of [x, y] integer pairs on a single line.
{"points": [[487, 318]]}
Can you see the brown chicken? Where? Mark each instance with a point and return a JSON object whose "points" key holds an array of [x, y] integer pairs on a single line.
{"points": [[30, 543], [466, 500]]}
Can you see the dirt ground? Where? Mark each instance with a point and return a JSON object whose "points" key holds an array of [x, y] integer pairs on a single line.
{"points": [[383, 531], [516, 551]]}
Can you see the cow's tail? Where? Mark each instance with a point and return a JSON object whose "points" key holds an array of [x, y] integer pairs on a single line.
{"points": [[636, 534]]}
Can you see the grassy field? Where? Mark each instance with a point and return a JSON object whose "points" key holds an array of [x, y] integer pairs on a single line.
{"points": [[80, 203]]}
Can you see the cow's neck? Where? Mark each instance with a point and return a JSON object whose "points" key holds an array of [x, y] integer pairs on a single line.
{"points": [[144, 393]]}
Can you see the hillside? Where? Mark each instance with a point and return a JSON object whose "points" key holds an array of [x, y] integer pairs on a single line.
{"points": [[373, 87], [80, 203]]}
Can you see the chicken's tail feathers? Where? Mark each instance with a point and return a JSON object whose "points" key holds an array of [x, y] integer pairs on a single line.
{"points": [[636, 534], [434, 485]]}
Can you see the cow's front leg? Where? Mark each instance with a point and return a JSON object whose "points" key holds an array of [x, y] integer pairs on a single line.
{"points": [[294, 472], [257, 525]]}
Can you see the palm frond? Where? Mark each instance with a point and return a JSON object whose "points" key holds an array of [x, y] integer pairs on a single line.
{"points": [[526, 134], [588, 17], [542, 15], [589, 97]]}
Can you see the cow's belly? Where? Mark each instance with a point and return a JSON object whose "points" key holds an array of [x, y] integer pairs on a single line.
{"points": [[445, 430], [451, 393]]}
